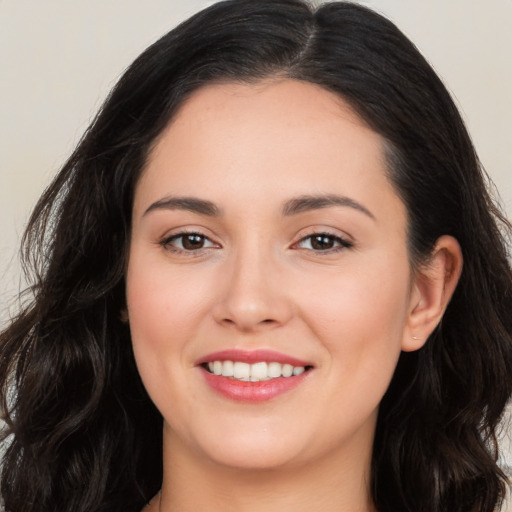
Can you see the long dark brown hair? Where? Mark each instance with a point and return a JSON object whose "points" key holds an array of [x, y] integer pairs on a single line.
{"points": [[81, 433]]}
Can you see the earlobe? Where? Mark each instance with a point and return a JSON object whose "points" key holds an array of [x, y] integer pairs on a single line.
{"points": [[432, 289], [124, 316]]}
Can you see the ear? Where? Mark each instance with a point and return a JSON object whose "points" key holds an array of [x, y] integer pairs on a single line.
{"points": [[431, 290], [124, 316]]}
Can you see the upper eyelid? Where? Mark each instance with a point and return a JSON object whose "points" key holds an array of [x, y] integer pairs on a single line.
{"points": [[180, 234], [181, 231], [186, 232], [343, 237], [166, 243], [318, 230], [344, 241]]}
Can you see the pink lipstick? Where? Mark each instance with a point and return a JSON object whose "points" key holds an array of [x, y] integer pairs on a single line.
{"points": [[252, 376], [252, 356]]}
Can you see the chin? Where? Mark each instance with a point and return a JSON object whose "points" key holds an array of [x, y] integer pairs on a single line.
{"points": [[251, 449], [255, 458]]}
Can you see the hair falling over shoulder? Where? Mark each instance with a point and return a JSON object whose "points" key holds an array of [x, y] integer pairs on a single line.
{"points": [[81, 434]]}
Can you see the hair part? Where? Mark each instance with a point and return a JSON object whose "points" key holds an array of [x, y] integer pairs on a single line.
{"points": [[84, 435]]}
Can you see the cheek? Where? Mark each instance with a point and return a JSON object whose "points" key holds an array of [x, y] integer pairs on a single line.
{"points": [[160, 320], [163, 306], [167, 310], [359, 315]]}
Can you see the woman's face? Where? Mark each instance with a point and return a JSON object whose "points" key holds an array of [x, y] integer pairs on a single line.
{"points": [[266, 241]]}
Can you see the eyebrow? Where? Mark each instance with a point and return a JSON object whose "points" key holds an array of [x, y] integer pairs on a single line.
{"points": [[311, 202], [291, 207], [191, 204]]}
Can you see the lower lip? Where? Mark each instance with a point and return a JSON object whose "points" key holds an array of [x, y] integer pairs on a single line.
{"points": [[244, 391]]}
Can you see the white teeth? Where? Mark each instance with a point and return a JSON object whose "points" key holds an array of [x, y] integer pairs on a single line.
{"points": [[274, 370], [241, 370], [259, 371], [217, 367], [227, 368], [287, 370], [254, 372]]}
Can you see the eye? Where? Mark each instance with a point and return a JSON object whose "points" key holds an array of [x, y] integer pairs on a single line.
{"points": [[187, 242], [323, 242]]}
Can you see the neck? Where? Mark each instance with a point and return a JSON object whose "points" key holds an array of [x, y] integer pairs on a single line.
{"points": [[192, 483]]}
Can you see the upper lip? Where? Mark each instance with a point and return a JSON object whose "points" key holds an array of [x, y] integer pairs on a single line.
{"points": [[252, 356]]}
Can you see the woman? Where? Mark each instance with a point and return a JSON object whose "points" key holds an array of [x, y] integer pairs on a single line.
{"points": [[269, 277]]}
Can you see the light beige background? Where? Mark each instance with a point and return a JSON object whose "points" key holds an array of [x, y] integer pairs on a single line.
{"points": [[59, 58]]}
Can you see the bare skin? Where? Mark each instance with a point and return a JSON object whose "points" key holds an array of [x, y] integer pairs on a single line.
{"points": [[245, 157]]}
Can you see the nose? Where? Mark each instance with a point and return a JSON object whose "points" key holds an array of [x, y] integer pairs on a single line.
{"points": [[252, 296]]}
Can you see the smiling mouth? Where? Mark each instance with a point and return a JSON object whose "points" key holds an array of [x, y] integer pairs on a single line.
{"points": [[255, 372]]}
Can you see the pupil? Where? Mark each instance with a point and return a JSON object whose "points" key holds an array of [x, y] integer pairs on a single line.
{"points": [[322, 242], [193, 242]]}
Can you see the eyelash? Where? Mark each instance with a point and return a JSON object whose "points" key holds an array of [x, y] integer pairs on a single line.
{"points": [[166, 243], [342, 243]]}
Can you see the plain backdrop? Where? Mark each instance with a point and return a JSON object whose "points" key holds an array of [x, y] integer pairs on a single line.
{"points": [[59, 58]]}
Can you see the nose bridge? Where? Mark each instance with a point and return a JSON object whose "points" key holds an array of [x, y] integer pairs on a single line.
{"points": [[251, 297]]}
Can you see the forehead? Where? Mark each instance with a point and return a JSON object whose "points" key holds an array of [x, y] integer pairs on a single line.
{"points": [[271, 139], [289, 109]]}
